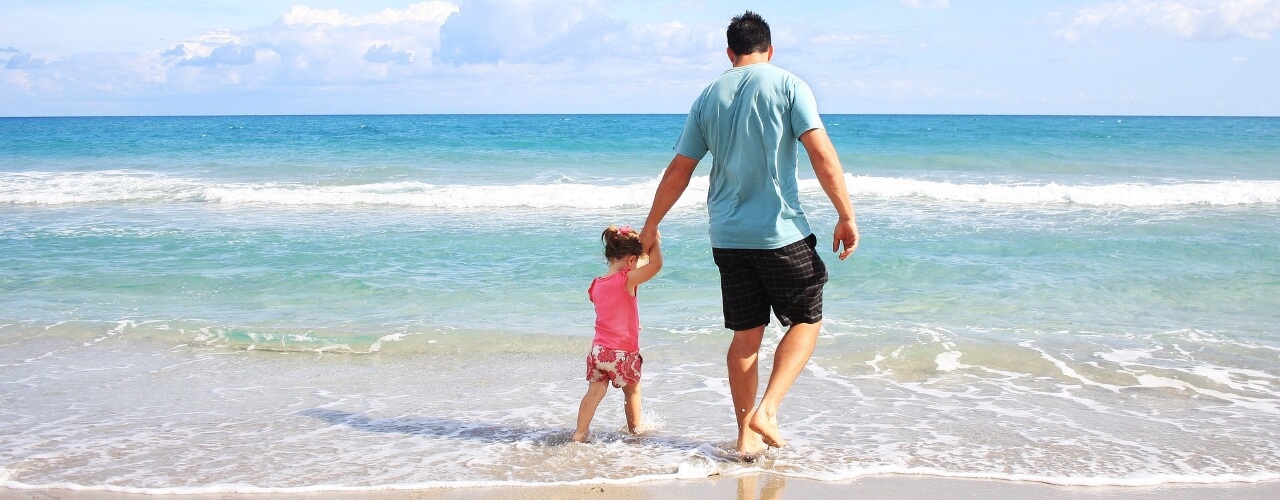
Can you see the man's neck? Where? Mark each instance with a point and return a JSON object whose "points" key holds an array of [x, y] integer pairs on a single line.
{"points": [[752, 58]]}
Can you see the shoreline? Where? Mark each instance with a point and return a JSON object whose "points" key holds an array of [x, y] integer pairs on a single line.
{"points": [[756, 485]]}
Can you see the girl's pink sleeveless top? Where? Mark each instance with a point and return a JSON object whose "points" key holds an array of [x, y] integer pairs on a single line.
{"points": [[617, 313]]}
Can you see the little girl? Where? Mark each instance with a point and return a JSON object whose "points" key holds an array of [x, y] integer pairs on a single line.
{"points": [[615, 352]]}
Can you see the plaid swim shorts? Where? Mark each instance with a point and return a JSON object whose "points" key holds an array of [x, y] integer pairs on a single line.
{"points": [[622, 368], [788, 280]]}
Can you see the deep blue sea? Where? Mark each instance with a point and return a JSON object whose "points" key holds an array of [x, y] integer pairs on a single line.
{"points": [[311, 303]]}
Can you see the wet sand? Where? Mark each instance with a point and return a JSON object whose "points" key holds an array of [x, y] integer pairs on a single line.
{"points": [[755, 486]]}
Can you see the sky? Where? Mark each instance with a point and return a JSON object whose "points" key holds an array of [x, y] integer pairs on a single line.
{"points": [[231, 57]]}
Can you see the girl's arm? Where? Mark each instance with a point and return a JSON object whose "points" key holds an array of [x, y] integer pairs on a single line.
{"points": [[648, 271]]}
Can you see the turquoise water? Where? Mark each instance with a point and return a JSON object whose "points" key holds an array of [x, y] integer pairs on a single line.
{"points": [[320, 302]]}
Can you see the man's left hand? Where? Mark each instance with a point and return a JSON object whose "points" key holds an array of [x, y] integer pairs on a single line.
{"points": [[846, 234]]}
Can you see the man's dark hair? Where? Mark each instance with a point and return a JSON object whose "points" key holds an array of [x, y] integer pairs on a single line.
{"points": [[748, 34]]}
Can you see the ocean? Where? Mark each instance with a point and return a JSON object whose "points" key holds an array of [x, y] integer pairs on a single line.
{"points": [[338, 303]]}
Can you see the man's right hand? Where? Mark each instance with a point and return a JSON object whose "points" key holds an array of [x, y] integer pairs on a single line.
{"points": [[648, 237]]}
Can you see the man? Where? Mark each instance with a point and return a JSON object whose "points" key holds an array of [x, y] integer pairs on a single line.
{"points": [[750, 120]]}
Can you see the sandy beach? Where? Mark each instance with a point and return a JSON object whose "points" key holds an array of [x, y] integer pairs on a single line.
{"points": [[329, 307], [747, 486]]}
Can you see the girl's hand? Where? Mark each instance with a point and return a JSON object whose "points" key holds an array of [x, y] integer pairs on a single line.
{"points": [[653, 258], [649, 238]]}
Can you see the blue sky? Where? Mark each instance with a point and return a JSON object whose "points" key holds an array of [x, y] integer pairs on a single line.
{"points": [[195, 57]]}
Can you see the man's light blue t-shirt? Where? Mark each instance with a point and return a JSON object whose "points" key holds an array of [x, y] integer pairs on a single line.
{"points": [[750, 120]]}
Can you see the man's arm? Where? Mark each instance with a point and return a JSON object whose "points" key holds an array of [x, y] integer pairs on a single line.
{"points": [[826, 165], [674, 181]]}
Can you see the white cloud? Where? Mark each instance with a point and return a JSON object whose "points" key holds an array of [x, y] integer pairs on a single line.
{"points": [[907, 89], [385, 53], [18, 79], [1186, 19], [225, 54], [434, 12], [570, 53], [848, 39], [489, 31], [303, 15], [926, 4], [304, 50], [314, 47], [21, 60], [552, 31]]}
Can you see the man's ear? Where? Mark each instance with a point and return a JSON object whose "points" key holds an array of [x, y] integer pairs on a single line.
{"points": [[732, 57], [770, 52]]}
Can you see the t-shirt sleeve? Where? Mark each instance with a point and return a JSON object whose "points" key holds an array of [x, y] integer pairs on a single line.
{"points": [[692, 142], [804, 110]]}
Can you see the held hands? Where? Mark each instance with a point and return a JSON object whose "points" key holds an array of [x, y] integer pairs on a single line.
{"points": [[649, 239], [846, 233]]}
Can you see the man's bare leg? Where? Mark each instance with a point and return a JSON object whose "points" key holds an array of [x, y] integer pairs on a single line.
{"points": [[743, 363], [788, 361]]}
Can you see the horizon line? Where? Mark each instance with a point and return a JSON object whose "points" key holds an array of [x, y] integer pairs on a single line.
{"points": [[234, 115]]}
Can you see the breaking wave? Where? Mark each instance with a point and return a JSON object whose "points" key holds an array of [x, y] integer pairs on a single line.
{"points": [[121, 186]]}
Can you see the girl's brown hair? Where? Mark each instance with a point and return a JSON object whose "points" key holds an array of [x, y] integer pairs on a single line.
{"points": [[620, 243]]}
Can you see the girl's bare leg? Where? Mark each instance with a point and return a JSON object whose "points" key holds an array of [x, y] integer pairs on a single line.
{"points": [[587, 409], [632, 407]]}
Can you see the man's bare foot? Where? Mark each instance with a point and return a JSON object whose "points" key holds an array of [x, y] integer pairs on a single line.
{"points": [[766, 424], [749, 444], [579, 437]]}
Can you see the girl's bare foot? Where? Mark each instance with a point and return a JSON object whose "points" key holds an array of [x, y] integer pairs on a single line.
{"points": [[579, 437]]}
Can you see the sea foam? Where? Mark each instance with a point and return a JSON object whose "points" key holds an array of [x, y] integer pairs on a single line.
{"points": [[125, 187]]}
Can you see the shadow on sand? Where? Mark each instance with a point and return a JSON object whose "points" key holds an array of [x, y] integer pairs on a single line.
{"points": [[486, 432], [440, 427]]}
